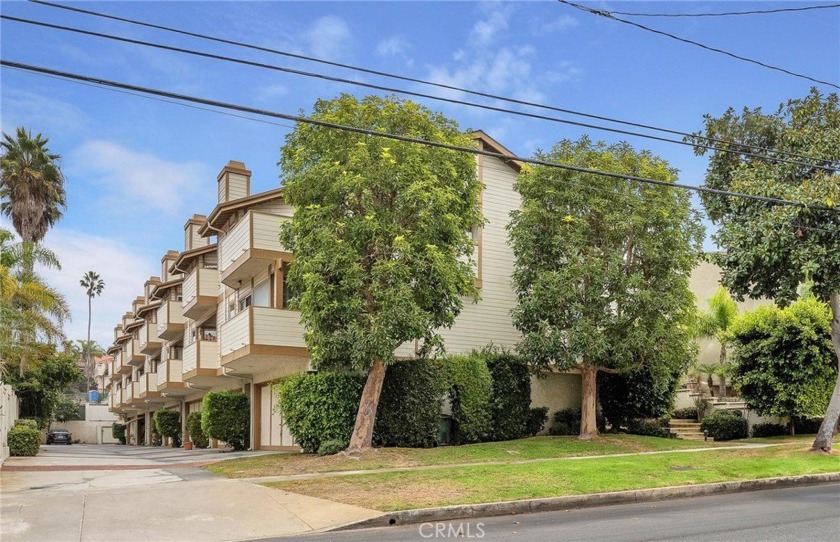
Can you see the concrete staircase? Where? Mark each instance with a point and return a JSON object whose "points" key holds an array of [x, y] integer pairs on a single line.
{"points": [[686, 429]]}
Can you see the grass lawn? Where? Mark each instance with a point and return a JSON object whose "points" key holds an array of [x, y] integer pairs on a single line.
{"points": [[487, 483], [513, 450]]}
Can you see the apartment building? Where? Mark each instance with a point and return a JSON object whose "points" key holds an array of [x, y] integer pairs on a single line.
{"points": [[217, 317]]}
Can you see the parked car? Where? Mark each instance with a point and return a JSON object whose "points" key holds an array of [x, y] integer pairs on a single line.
{"points": [[59, 436]]}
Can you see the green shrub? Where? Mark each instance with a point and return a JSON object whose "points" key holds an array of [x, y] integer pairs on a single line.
{"points": [[168, 424], [645, 393], [649, 427], [806, 426], [725, 426], [320, 407], [157, 440], [510, 398], [332, 447], [225, 416], [27, 422], [24, 441], [566, 422], [689, 413], [470, 387], [536, 420], [197, 435], [768, 430], [409, 407], [118, 432]]}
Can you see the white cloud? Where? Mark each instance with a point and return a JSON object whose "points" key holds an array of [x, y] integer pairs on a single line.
{"points": [[270, 92], [393, 46], [36, 111], [486, 30], [560, 24], [328, 37], [136, 179], [123, 270]]}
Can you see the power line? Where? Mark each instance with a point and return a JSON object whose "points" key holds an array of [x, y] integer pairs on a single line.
{"points": [[416, 80], [408, 92], [405, 139], [609, 15], [726, 13]]}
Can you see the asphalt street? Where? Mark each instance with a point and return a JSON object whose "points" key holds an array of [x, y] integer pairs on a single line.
{"points": [[809, 513]]}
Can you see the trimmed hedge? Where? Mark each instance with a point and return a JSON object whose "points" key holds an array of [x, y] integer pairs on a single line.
{"points": [[769, 430], [168, 424], [225, 416], [510, 397], [409, 407], [566, 422], [321, 407], [470, 387], [689, 413], [649, 427], [725, 426], [118, 432], [197, 435], [27, 422], [536, 420], [24, 440], [806, 426]]}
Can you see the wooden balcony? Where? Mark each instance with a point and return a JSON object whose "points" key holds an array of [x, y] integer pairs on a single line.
{"points": [[170, 320], [132, 354], [201, 363], [249, 247], [201, 291], [148, 387], [261, 338], [170, 377], [149, 342], [121, 368]]}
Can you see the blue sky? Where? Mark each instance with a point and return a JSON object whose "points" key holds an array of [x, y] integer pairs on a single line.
{"points": [[137, 169]]}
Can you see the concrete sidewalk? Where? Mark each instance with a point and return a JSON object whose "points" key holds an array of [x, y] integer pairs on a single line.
{"points": [[166, 503]]}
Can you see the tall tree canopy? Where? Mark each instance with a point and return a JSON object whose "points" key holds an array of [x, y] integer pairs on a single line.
{"points": [[31, 186], [784, 360], [381, 235], [93, 285], [770, 250], [602, 265], [715, 324]]}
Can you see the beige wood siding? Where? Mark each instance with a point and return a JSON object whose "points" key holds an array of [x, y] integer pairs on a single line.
{"points": [[277, 327], [273, 432], [190, 358], [237, 186], [208, 282], [267, 231], [489, 321], [234, 243], [190, 287], [276, 207], [235, 333]]}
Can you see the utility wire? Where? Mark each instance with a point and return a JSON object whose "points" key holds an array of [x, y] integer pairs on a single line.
{"points": [[415, 80], [726, 13], [405, 139], [609, 15], [410, 93]]}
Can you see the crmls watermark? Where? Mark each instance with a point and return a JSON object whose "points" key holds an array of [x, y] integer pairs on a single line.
{"points": [[451, 530]]}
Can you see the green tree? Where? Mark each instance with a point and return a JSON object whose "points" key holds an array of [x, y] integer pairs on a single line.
{"points": [[93, 285], [784, 361], [770, 250], [30, 310], [41, 386], [601, 264], [715, 324], [381, 235], [31, 186]]}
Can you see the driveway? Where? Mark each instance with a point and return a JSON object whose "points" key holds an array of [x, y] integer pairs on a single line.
{"points": [[122, 493]]}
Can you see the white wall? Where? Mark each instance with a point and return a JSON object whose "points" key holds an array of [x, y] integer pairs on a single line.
{"points": [[8, 415]]}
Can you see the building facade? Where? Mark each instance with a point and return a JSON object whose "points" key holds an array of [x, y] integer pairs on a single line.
{"points": [[217, 317]]}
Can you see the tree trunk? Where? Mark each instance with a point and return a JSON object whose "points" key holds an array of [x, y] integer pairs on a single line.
{"points": [[832, 414], [722, 381], [88, 368], [362, 438], [588, 419]]}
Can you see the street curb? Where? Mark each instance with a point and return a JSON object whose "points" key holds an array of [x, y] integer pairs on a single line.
{"points": [[446, 513]]}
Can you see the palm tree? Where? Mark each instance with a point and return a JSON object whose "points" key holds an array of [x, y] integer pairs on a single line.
{"points": [[93, 285], [715, 324], [31, 186], [30, 310]]}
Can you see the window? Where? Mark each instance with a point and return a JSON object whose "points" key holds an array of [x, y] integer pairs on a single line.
{"points": [[177, 352], [231, 307], [262, 294], [245, 302], [288, 291], [208, 334]]}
